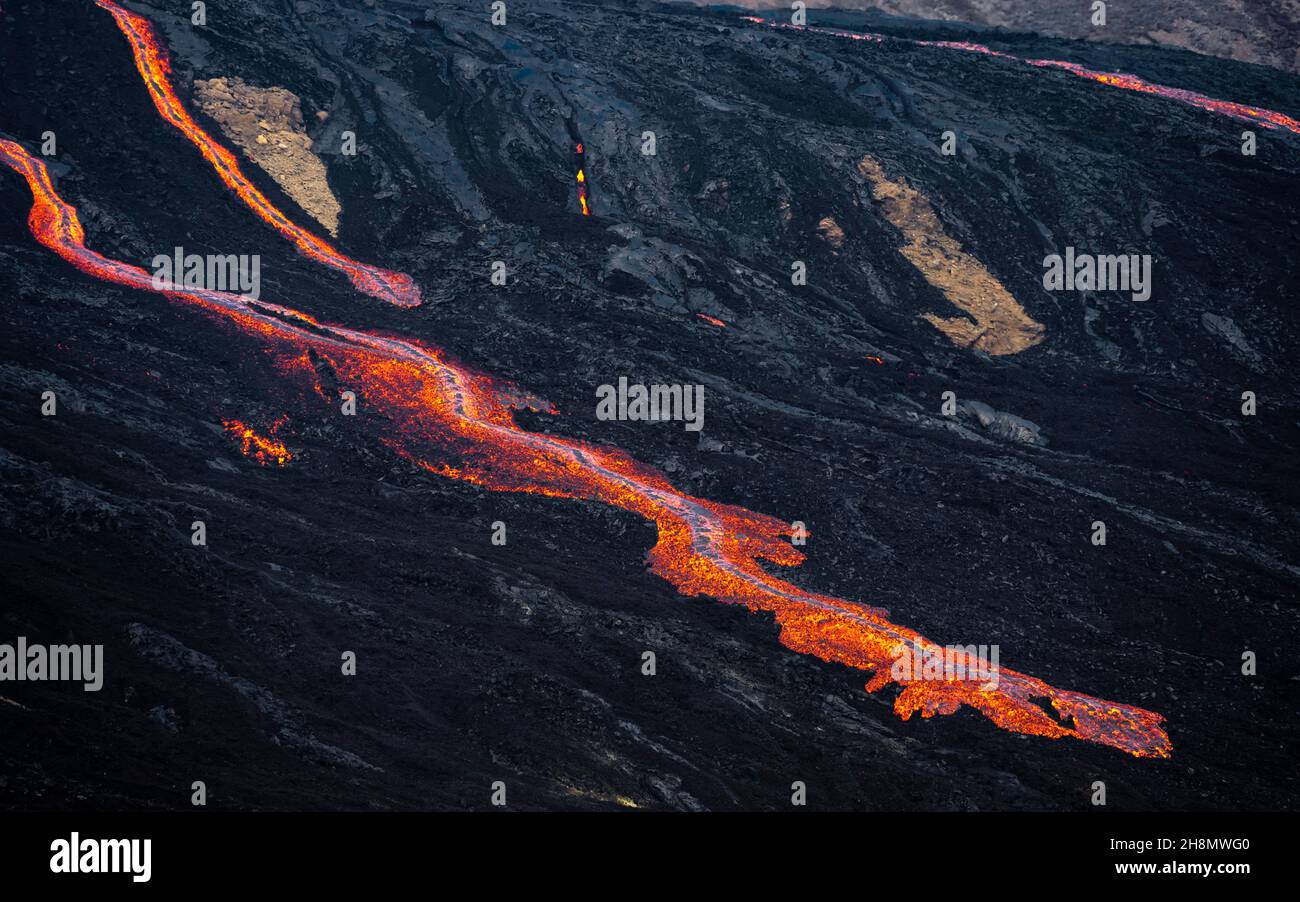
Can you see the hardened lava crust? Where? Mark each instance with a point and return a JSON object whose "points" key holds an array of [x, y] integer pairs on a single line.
{"points": [[363, 539]]}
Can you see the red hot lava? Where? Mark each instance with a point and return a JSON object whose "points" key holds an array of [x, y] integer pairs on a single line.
{"points": [[582, 178], [457, 423], [266, 450], [152, 62], [1258, 115]]}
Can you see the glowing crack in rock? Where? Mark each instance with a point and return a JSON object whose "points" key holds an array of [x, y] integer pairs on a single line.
{"points": [[580, 152], [1241, 111], [152, 62], [457, 423]]}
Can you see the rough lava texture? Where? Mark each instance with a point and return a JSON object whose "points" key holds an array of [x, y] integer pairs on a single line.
{"points": [[1266, 32], [522, 662]]}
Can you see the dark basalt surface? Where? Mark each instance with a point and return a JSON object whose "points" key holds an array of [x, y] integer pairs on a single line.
{"points": [[1253, 31], [522, 662]]}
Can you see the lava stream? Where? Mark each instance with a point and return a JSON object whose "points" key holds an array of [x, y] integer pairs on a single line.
{"points": [[1259, 115], [457, 423], [152, 62]]}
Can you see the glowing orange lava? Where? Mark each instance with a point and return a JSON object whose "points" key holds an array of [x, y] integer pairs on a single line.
{"points": [[264, 449], [459, 424], [582, 180], [152, 62], [1258, 115], [712, 320]]}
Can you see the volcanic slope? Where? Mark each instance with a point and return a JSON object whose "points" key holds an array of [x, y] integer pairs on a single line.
{"points": [[527, 656]]}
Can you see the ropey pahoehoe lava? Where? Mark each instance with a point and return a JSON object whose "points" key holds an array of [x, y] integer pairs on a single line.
{"points": [[458, 423]]}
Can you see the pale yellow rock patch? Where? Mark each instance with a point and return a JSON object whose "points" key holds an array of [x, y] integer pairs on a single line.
{"points": [[267, 124], [997, 324]]}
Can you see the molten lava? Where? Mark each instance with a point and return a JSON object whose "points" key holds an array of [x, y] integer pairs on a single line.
{"points": [[457, 423], [263, 449], [582, 179], [151, 59], [712, 320], [1258, 115]]}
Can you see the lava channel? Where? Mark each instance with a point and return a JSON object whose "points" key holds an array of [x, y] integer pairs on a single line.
{"points": [[459, 424], [1244, 112], [152, 62]]}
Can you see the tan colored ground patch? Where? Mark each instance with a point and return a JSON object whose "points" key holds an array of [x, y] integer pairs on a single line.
{"points": [[997, 324], [831, 232], [267, 125]]}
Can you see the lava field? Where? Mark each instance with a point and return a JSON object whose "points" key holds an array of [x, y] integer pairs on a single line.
{"points": [[375, 531]]}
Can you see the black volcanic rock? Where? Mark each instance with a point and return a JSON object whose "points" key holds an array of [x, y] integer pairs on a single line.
{"points": [[521, 662]]}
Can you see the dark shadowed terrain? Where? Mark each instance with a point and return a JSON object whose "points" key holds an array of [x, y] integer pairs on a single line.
{"points": [[522, 663], [1254, 31]]}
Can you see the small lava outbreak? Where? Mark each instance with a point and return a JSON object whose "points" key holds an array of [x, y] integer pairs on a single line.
{"points": [[265, 449], [581, 177]]}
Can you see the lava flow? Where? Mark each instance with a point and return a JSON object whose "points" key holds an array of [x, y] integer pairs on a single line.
{"points": [[152, 62], [261, 448], [582, 179], [1244, 112], [457, 423]]}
